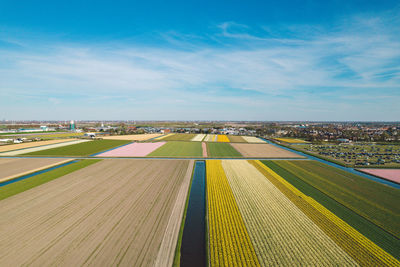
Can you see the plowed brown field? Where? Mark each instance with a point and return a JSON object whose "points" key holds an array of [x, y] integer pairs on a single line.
{"points": [[263, 151], [114, 212], [14, 167]]}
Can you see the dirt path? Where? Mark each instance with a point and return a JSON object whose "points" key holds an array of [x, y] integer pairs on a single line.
{"points": [[114, 212], [204, 146]]}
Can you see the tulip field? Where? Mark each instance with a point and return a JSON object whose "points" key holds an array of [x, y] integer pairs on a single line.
{"points": [[124, 201], [277, 224]]}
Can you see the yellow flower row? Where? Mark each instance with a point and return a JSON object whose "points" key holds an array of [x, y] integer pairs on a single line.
{"points": [[223, 138], [364, 245], [229, 241]]}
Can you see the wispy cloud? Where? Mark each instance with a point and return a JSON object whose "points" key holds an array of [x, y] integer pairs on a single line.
{"points": [[256, 77]]}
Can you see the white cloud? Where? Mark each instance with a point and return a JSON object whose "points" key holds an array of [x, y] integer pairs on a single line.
{"points": [[352, 62]]}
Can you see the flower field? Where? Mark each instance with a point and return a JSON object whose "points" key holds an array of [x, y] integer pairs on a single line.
{"points": [[229, 241], [281, 233], [210, 138], [223, 138], [388, 174], [198, 137], [253, 139], [285, 227], [372, 200]]}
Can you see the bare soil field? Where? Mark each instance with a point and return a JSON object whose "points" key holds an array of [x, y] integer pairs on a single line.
{"points": [[132, 137], [114, 212], [14, 167], [263, 151], [236, 139], [32, 144]]}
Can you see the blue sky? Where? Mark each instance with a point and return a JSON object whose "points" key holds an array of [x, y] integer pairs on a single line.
{"points": [[200, 60]]}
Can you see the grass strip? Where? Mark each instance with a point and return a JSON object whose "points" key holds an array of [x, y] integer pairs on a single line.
{"points": [[179, 149], [222, 150], [382, 238], [23, 185], [81, 149]]}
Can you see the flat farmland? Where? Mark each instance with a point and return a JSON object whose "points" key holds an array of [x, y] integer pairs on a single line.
{"points": [[292, 140], [82, 149], [113, 212], [31, 144], [132, 150], [198, 137], [280, 232], [178, 149], [236, 139], [372, 200], [388, 174], [39, 148], [263, 151], [132, 137], [223, 150], [253, 139], [14, 167], [222, 138], [179, 137]]}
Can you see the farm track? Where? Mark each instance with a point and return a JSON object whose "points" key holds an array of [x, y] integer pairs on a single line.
{"points": [[229, 241], [281, 233], [104, 214], [361, 249]]}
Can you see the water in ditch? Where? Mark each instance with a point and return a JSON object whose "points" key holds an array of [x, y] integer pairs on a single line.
{"points": [[193, 250]]}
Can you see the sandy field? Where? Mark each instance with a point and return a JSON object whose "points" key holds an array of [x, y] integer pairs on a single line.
{"points": [[133, 137], [389, 174], [198, 137], [252, 139], [236, 139], [263, 151], [32, 144], [114, 212], [39, 148], [132, 150], [12, 168]]}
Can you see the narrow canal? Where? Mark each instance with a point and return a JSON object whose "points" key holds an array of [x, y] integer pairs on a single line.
{"points": [[193, 250], [36, 173]]}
